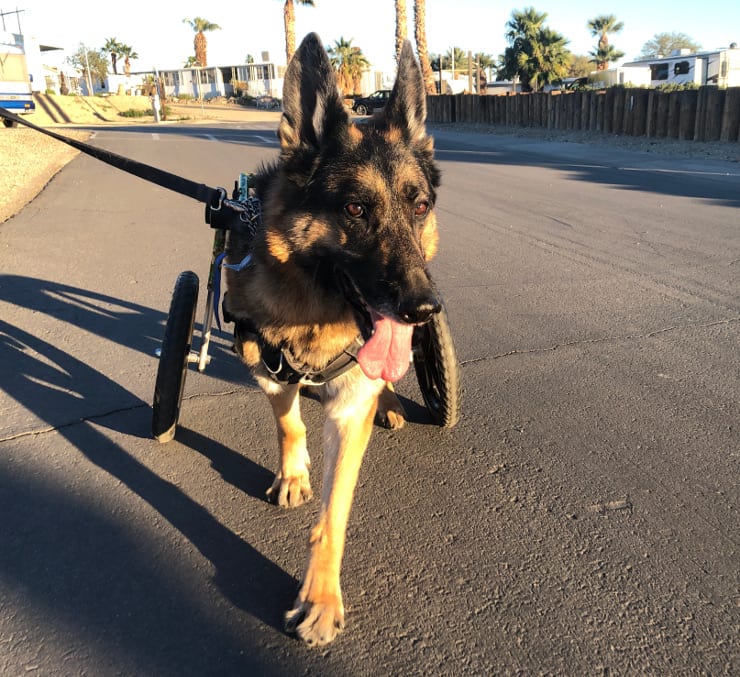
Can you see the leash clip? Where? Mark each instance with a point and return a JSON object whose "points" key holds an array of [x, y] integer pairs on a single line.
{"points": [[220, 196]]}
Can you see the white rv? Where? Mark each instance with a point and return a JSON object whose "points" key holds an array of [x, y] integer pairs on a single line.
{"points": [[720, 67], [627, 76]]}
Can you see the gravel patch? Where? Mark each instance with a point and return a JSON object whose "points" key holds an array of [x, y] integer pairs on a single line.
{"points": [[695, 150]]}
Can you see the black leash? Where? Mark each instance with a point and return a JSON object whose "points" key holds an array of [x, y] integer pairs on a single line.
{"points": [[212, 197]]}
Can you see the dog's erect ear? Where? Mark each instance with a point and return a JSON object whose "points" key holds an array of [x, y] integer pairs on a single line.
{"points": [[313, 109], [407, 104]]}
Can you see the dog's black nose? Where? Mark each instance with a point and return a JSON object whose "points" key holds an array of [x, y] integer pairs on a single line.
{"points": [[419, 310]]}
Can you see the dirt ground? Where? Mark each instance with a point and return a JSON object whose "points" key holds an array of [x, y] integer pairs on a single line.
{"points": [[30, 159]]}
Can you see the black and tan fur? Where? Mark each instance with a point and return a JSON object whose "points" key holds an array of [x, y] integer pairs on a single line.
{"points": [[347, 224]]}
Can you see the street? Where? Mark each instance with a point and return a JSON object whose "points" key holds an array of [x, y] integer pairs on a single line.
{"points": [[581, 518]]}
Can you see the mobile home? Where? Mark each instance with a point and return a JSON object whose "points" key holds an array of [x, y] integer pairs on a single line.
{"points": [[720, 67]]}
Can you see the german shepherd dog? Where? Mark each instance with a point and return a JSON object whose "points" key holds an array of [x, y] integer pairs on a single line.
{"points": [[340, 261]]}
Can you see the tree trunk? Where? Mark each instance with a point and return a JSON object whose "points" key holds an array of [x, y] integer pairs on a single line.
{"points": [[420, 33], [200, 45], [401, 26], [289, 20]]}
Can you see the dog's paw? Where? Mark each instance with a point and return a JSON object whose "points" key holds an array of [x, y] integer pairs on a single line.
{"points": [[315, 623], [390, 413], [391, 419], [290, 492]]}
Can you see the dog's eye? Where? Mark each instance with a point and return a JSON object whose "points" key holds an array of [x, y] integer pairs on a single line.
{"points": [[354, 210], [421, 209]]}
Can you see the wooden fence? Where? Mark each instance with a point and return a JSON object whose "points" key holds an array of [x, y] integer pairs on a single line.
{"points": [[704, 114]]}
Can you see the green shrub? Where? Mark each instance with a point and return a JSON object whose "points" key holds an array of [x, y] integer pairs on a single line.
{"points": [[135, 113], [673, 87], [146, 112]]}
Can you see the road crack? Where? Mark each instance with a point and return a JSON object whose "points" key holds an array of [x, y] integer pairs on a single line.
{"points": [[603, 339], [95, 417]]}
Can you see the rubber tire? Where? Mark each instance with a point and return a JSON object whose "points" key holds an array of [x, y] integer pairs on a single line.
{"points": [[9, 123], [437, 370], [361, 110], [173, 360]]}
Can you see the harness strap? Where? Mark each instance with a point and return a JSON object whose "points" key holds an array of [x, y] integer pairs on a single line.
{"points": [[178, 184], [283, 366]]}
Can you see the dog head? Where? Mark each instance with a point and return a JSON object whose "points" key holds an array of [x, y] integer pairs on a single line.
{"points": [[360, 212]]}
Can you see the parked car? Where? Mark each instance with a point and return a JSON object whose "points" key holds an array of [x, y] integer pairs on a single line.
{"points": [[365, 105]]}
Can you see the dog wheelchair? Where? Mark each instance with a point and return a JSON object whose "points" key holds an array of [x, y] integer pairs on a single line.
{"points": [[433, 352]]}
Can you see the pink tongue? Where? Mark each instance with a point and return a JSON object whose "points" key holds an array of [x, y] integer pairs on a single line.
{"points": [[386, 354]]}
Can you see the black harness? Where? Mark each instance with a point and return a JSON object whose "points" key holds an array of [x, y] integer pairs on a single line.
{"points": [[283, 366], [221, 214]]}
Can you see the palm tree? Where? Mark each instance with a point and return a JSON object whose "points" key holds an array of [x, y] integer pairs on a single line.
{"points": [[549, 59], [402, 24], [128, 53], [420, 34], [456, 59], [536, 54], [349, 62], [289, 21], [200, 45], [603, 55], [113, 47], [602, 26], [524, 24]]}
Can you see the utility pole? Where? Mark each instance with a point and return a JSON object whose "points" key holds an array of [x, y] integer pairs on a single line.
{"points": [[470, 72], [87, 72], [156, 101]]}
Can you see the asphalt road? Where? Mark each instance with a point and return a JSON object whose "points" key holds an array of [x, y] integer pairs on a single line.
{"points": [[582, 518]]}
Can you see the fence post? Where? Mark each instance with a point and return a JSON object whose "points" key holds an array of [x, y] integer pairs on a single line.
{"points": [[715, 104], [639, 111], [585, 107], [608, 110], [730, 130], [687, 114], [700, 122], [617, 110]]}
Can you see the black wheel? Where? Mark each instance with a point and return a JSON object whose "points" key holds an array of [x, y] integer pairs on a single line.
{"points": [[361, 110], [9, 123], [173, 360], [437, 370]]}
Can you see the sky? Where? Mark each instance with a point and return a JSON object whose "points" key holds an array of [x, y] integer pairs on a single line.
{"points": [[156, 31]]}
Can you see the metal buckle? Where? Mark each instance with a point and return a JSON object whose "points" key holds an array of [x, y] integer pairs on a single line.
{"points": [[221, 193], [279, 367]]}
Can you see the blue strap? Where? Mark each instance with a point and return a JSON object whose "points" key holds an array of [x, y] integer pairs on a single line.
{"points": [[217, 265], [217, 288]]}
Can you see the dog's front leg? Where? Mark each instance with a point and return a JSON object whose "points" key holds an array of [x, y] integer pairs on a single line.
{"points": [[292, 486], [318, 614]]}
